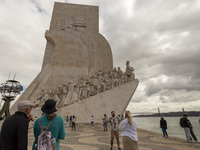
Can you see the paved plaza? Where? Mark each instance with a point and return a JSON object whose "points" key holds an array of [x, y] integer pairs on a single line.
{"points": [[87, 138]]}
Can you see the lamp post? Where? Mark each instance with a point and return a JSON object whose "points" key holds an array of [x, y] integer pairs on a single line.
{"points": [[9, 91]]}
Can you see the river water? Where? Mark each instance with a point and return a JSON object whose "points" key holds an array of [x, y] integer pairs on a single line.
{"points": [[174, 129]]}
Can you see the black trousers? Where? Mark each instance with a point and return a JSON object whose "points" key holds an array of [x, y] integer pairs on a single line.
{"points": [[192, 134], [73, 125]]}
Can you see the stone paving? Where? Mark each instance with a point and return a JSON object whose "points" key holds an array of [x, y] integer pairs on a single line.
{"points": [[88, 138]]}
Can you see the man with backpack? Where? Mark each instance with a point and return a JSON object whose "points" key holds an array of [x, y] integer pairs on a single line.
{"points": [[14, 131], [49, 129], [114, 124], [187, 126]]}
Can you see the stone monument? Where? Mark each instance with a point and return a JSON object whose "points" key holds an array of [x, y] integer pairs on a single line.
{"points": [[77, 70]]}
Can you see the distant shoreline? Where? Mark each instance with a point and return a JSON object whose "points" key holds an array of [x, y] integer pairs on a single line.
{"points": [[172, 114]]}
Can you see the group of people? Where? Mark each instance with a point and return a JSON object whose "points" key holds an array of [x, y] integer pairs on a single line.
{"points": [[14, 130], [127, 126], [71, 122], [128, 129], [185, 124]]}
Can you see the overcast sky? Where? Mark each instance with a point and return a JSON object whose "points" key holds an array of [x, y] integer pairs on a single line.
{"points": [[161, 38]]}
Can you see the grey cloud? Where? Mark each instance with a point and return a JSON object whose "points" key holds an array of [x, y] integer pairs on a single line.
{"points": [[159, 84], [181, 96]]}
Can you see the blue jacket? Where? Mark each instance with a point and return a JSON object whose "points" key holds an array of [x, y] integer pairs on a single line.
{"points": [[56, 127]]}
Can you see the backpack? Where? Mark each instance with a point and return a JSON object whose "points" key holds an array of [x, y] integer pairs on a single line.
{"points": [[182, 123], [45, 140]]}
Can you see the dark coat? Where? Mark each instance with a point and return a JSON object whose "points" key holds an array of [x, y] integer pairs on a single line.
{"points": [[184, 122], [163, 124], [14, 132]]}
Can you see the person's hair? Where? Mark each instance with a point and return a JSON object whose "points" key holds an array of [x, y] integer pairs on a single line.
{"points": [[128, 116], [51, 116]]}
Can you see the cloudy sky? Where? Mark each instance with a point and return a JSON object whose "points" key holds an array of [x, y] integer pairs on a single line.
{"points": [[160, 38]]}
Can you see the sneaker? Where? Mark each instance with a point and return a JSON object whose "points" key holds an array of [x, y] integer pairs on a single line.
{"points": [[119, 148], [111, 148]]}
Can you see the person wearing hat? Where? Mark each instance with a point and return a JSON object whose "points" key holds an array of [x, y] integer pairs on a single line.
{"points": [[14, 130], [187, 126], [114, 130], [56, 127]]}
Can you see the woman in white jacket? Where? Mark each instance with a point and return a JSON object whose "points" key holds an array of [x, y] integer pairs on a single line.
{"points": [[129, 132]]}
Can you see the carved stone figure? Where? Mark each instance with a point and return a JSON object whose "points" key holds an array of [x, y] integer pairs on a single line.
{"points": [[85, 92], [107, 80], [76, 94], [121, 76], [64, 99], [70, 89], [129, 72], [40, 97], [101, 83], [94, 86], [114, 77], [56, 92], [43, 97]]}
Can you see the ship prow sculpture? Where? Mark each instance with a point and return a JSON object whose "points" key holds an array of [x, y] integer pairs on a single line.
{"points": [[77, 70]]}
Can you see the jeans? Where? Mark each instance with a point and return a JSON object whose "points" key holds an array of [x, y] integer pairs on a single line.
{"points": [[192, 134], [187, 134], [164, 132], [105, 126]]}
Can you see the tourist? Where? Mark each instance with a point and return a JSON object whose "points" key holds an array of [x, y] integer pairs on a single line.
{"points": [[92, 121], [129, 132], [74, 123], [105, 122], [14, 130], [70, 121], [114, 123], [56, 126], [67, 121], [163, 126], [119, 117], [187, 126]]}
